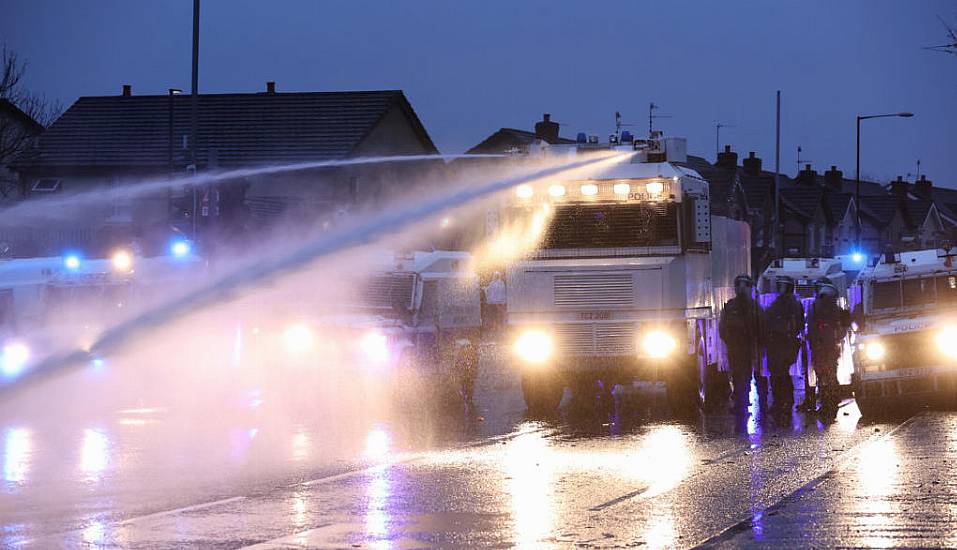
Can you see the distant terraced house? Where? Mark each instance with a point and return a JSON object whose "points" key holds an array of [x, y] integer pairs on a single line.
{"points": [[108, 142]]}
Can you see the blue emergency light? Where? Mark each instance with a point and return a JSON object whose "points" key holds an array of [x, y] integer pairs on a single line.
{"points": [[180, 248], [71, 262]]}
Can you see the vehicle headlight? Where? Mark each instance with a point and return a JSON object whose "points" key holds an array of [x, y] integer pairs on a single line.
{"points": [[947, 341], [874, 351], [658, 344], [14, 358], [375, 346], [122, 261], [297, 338], [524, 191], [534, 346]]}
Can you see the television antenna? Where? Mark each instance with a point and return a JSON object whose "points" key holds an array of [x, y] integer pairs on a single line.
{"points": [[717, 136], [619, 124], [801, 162], [651, 119]]}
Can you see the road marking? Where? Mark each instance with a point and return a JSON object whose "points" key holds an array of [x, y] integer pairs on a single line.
{"points": [[841, 463], [295, 540]]}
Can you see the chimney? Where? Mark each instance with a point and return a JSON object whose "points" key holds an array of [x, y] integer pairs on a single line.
{"points": [[547, 130], [807, 176], [270, 87], [127, 90], [924, 188], [834, 179], [899, 188], [728, 159], [752, 165]]}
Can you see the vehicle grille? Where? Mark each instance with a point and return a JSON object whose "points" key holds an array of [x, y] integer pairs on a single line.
{"points": [[595, 339], [388, 291], [805, 290], [594, 290]]}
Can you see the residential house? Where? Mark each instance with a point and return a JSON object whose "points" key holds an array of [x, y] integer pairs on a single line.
{"points": [[512, 140], [115, 141]]}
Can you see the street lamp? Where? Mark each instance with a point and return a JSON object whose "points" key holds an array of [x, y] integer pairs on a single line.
{"points": [[857, 171]]}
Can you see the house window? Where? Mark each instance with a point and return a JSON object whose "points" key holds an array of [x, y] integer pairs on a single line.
{"points": [[46, 185]]}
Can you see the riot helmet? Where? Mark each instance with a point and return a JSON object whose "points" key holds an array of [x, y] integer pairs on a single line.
{"points": [[826, 289], [743, 285], [785, 285]]}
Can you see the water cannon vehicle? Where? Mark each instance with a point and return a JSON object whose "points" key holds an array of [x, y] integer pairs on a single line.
{"points": [[414, 322], [623, 276], [66, 301], [906, 349]]}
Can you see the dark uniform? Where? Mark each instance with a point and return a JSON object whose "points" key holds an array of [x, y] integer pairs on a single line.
{"points": [[785, 322], [740, 329], [827, 324]]}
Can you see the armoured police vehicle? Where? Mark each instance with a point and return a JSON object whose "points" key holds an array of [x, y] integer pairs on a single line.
{"points": [[906, 351], [624, 277]]}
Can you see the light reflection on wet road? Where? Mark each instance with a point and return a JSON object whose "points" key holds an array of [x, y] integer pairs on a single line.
{"points": [[147, 476]]}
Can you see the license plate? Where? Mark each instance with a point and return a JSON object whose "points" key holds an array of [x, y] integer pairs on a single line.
{"points": [[594, 315], [920, 371]]}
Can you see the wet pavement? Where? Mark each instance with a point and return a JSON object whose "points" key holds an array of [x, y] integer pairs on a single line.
{"points": [[168, 474]]}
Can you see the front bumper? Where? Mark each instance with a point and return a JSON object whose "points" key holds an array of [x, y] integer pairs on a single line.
{"points": [[933, 380]]}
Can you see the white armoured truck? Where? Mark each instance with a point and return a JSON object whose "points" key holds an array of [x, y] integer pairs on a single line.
{"points": [[627, 279], [906, 350]]}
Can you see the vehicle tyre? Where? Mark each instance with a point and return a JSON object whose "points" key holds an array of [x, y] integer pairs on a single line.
{"points": [[686, 384], [868, 406], [542, 394]]}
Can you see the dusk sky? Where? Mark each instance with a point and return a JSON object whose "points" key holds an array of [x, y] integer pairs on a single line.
{"points": [[471, 68]]}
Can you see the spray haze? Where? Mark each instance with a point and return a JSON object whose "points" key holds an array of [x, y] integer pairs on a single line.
{"points": [[257, 343]]}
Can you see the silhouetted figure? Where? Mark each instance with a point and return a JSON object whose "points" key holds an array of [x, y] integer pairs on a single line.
{"points": [[785, 322], [740, 329], [827, 324]]}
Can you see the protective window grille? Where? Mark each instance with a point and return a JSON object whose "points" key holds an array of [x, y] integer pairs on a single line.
{"points": [[388, 292], [613, 225]]}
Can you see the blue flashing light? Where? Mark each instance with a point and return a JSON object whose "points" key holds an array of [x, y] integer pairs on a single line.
{"points": [[857, 257], [180, 248], [71, 262]]}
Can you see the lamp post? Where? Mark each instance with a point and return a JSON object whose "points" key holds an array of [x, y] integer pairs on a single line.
{"points": [[857, 171]]}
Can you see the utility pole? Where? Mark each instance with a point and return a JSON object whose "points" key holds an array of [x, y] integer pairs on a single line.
{"points": [[777, 173], [194, 106]]}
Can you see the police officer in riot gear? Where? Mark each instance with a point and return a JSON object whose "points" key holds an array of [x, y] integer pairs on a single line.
{"points": [[785, 323], [740, 329], [827, 324]]}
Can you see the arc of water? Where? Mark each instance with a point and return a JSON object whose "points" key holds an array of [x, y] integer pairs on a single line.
{"points": [[27, 210], [226, 286]]}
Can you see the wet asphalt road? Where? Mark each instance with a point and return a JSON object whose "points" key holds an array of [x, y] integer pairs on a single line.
{"points": [[150, 475]]}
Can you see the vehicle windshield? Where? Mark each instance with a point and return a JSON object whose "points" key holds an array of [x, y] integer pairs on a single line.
{"points": [[615, 225], [915, 292]]}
